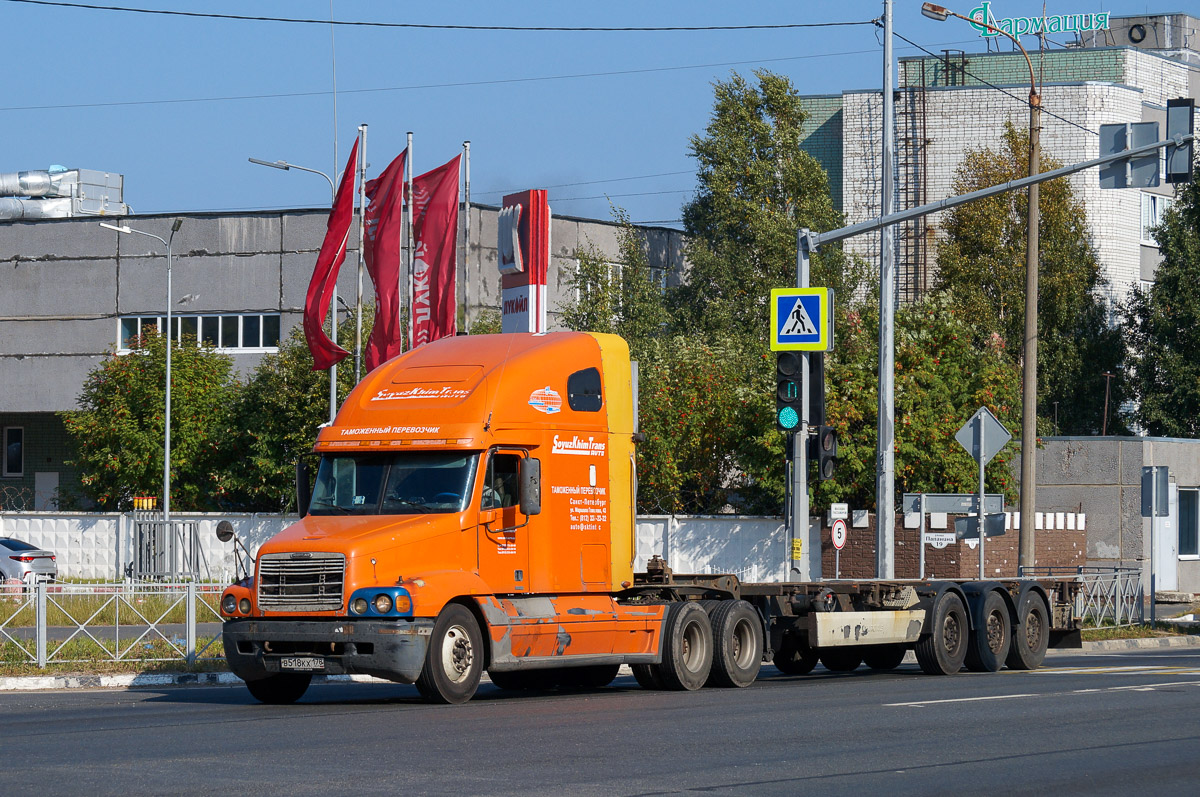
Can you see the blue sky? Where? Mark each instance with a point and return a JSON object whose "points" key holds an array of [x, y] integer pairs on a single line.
{"points": [[178, 104]]}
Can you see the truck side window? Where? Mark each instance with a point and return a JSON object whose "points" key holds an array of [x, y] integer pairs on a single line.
{"points": [[583, 391], [501, 487]]}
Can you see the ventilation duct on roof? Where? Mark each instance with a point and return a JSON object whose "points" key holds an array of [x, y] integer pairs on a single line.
{"points": [[61, 193]]}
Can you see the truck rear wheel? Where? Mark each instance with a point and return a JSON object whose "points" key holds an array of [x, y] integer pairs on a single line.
{"points": [[1028, 648], [454, 658], [688, 649], [280, 689], [647, 676], [990, 638], [884, 657], [737, 644], [794, 657], [943, 649], [844, 659]]}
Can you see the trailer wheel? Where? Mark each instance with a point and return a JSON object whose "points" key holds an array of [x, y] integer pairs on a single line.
{"points": [[841, 659], [884, 657], [794, 657], [647, 676], [1031, 636], [990, 638], [280, 689], [592, 676], [688, 652], [942, 650], [454, 658], [738, 644]]}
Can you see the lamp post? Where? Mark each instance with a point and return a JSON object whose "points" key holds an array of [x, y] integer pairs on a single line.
{"points": [[285, 166], [1107, 383], [170, 340], [1029, 375]]}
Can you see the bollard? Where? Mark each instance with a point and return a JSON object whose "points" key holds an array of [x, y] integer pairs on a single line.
{"points": [[191, 623], [40, 621]]}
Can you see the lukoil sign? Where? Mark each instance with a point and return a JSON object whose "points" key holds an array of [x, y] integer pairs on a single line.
{"points": [[1019, 26]]}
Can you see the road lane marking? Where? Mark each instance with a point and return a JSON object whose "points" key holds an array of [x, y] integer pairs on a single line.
{"points": [[1126, 688]]}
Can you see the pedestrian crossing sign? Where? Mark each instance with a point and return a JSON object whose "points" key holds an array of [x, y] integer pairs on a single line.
{"points": [[802, 319]]}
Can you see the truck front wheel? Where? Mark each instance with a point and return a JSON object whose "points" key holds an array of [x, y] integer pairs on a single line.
{"points": [[454, 658]]}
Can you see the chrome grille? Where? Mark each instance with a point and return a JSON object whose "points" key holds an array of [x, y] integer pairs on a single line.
{"points": [[311, 582]]}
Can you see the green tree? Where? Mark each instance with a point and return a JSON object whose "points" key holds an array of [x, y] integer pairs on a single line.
{"points": [[981, 264], [942, 376], [757, 188], [118, 431], [274, 422], [1163, 326]]}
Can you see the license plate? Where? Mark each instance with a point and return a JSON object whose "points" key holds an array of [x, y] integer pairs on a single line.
{"points": [[305, 663]]}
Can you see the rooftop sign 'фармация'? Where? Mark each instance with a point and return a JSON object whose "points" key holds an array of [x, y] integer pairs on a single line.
{"points": [[1018, 26]]}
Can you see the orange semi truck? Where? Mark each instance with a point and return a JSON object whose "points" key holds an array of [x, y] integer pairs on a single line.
{"points": [[473, 511]]}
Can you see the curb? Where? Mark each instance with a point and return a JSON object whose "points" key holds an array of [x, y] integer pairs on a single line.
{"points": [[40, 683]]}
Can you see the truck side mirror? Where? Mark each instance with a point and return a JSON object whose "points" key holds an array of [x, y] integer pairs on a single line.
{"points": [[303, 487], [531, 486]]}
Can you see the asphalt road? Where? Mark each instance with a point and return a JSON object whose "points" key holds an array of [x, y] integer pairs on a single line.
{"points": [[1096, 723]]}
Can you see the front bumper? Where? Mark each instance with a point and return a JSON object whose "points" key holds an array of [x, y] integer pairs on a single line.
{"points": [[392, 649]]}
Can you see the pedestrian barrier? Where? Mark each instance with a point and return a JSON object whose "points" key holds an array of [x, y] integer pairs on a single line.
{"points": [[54, 623], [1110, 595]]}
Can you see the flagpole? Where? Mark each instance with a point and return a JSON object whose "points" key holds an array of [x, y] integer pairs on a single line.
{"points": [[466, 237], [333, 299], [362, 217], [409, 216]]}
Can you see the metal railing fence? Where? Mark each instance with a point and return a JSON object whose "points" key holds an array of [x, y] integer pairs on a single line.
{"points": [[53, 623], [1109, 595]]}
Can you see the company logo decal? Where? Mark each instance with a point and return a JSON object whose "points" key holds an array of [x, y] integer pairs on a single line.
{"points": [[546, 400], [578, 446], [434, 393]]}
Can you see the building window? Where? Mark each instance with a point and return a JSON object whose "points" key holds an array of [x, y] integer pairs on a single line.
{"points": [[1189, 522], [1154, 207], [14, 451], [256, 332]]}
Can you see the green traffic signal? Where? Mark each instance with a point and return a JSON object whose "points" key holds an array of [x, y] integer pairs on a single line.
{"points": [[788, 419]]}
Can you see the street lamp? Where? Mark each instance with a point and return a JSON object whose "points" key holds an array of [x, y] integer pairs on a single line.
{"points": [[1029, 386], [170, 340], [285, 166]]}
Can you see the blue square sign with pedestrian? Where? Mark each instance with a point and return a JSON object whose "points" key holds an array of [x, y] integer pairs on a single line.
{"points": [[801, 319]]}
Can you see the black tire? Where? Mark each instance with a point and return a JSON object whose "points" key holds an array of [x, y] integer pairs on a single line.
{"points": [[990, 638], [523, 680], [281, 689], [943, 649], [1032, 634], [592, 676], [737, 645], [454, 658], [687, 648], [884, 657], [794, 657], [647, 676], [842, 659]]}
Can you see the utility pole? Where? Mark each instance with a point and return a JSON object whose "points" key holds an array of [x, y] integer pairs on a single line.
{"points": [[885, 457]]}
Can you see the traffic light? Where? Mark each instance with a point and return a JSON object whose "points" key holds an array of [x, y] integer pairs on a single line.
{"points": [[826, 452], [788, 399]]}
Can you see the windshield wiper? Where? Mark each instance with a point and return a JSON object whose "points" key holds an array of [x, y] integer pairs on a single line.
{"points": [[391, 502], [332, 505]]}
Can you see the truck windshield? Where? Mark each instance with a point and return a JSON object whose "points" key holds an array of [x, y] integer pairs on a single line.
{"points": [[393, 484]]}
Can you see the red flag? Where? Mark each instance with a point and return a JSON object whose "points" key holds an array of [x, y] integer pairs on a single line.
{"points": [[326, 353], [381, 249], [435, 239]]}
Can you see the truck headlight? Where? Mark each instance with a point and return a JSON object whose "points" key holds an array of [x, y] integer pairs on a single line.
{"points": [[383, 603], [244, 606], [359, 606], [228, 604]]}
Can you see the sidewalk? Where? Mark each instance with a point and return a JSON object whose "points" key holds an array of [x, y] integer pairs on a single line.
{"points": [[37, 683]]}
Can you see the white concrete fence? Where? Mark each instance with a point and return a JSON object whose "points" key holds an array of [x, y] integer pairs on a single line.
{"points": [[101, 546]]}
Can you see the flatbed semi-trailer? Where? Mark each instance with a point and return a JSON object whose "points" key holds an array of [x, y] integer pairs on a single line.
{"points": [[474, 511]]}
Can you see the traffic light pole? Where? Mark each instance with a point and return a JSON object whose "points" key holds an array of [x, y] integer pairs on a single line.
{"points": [[800, 567]]}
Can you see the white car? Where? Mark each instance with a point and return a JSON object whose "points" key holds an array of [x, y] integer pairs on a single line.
{"points": [[23, 561]]}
